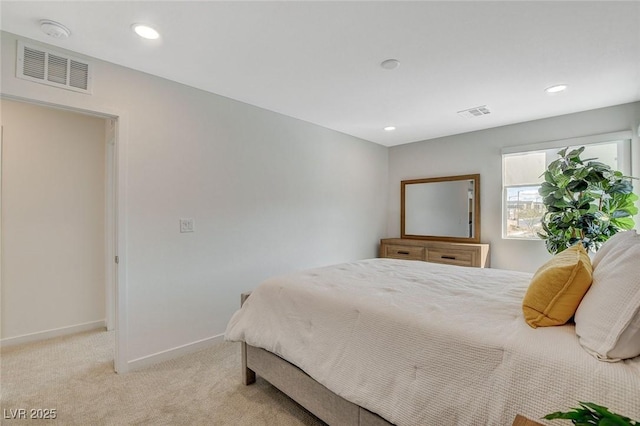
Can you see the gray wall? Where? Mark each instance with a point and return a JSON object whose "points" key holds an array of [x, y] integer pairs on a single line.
{"points": [[268, 194], [480, 152]]}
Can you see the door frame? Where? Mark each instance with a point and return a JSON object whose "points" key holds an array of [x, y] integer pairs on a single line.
{"points": [[115, 223]]}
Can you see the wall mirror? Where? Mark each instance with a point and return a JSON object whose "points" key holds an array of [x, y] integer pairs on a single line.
{"points": [[442, 208]]}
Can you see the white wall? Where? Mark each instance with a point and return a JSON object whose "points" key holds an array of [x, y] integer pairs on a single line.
{"points": [[268, 194], [480, 152], [53, 193]]}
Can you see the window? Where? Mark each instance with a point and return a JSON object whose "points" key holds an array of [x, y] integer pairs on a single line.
{"points": [[523, 169]]}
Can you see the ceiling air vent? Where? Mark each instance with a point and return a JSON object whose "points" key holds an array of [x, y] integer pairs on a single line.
{"points": [[52, 68], [475, 112]]}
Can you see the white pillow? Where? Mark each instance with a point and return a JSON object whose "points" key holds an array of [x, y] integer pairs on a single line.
{"points": [[608, 245], [608, 317]]}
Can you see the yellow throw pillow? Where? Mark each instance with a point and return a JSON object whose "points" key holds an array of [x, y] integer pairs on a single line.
{"points": [[557, 288]]}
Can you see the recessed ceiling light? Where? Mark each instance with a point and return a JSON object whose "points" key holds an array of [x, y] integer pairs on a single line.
{"points": [[54, 29], [145, 31], [557, 88], [390, 128], [390, 64]]}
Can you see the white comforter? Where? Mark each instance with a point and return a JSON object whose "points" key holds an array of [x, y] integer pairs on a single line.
{"points": [[427, 344]]}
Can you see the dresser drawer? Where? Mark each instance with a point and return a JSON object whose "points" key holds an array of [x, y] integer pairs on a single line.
{"points": [[404, 252], [462, 254], [451, 257]]}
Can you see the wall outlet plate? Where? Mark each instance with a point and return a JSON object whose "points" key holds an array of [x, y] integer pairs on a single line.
{"points": [[186, 225]]}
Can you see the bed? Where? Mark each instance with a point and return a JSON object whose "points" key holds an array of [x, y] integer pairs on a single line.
{"points": [[386, 341]]}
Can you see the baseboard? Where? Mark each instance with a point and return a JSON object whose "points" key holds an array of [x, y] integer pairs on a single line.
{"points": [[178, 351], [48, 334]]}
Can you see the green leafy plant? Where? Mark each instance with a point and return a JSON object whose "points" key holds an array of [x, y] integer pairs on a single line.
{"points": [[591, 414], [585, 201]]}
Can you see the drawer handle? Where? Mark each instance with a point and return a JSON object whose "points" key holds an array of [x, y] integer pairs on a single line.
{"points": [[403, 252], [448, 257]]}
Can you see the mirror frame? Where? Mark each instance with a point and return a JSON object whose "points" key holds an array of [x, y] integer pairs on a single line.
{"points": [[475, 238]]}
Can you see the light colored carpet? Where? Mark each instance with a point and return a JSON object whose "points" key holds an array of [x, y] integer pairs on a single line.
{"points": [[74, 375]]}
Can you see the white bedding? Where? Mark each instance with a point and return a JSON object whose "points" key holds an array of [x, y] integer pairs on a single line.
{"points": [[427, 344]]}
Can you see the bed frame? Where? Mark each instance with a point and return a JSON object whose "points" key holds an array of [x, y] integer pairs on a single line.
{"points": [[314, 397]]}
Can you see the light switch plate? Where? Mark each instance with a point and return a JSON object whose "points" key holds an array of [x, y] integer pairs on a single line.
{"points": [[186, 225]]}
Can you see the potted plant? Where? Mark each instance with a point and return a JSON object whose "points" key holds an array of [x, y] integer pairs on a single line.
{"points": [[592, 414], [585, 201]]}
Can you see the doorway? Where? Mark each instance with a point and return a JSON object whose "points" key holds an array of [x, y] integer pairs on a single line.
{"points": [[59, 227]]}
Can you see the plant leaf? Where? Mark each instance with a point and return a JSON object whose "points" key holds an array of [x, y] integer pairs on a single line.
{"points": [[578, 185], [625, 223], [547, 188]]}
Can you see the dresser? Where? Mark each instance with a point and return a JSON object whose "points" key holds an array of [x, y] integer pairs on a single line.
{"points": [[461, 254]]}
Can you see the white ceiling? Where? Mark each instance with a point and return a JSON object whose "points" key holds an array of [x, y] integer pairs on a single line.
{"points": [[320, 61]]}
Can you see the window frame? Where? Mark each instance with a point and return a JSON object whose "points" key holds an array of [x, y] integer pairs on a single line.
{"points": [[623, 138]]}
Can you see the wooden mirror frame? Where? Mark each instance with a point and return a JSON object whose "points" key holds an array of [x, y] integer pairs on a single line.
{"points": [[475, 238]]}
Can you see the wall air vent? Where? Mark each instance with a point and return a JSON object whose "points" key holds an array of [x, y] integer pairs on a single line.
{"points": [[52, 68], [475, 112]]}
